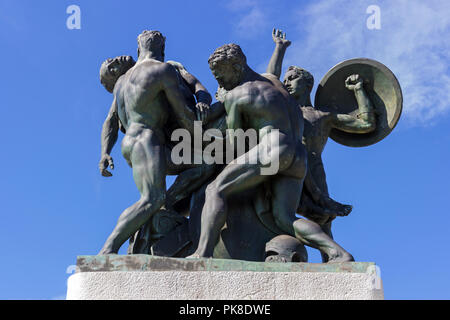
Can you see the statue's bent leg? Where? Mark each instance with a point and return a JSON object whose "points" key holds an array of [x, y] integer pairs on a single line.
{"points": [[149, 169], [317, 172], [187, 182], [234, 178], [311, 234], [240, 175], [321, 180], [286, 192], [326, 228], [287, 188]]}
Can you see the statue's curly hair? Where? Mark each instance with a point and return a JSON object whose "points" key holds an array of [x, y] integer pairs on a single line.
{"points": [[302, 73], [228, 52]]}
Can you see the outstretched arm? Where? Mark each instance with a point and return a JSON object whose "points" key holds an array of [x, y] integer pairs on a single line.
{"points": [[276, 61], [110, 133], [365, 121]]}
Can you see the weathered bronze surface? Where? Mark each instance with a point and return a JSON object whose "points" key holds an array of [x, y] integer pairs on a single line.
{"points": [[231, 209], [383, 89]]}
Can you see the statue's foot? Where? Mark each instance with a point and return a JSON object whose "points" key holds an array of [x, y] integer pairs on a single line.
{"points": [[335, 208], [347, 209], [340, 256], [194, 256]]}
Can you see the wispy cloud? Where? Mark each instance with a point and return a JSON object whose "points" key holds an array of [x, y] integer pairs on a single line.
{"points": [[413, 43], [250, 17]]}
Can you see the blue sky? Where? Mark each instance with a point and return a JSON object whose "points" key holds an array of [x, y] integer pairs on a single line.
{"points": [[55, 205]]}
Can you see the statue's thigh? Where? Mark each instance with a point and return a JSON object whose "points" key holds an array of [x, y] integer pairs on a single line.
{"points": [[149, 164]]}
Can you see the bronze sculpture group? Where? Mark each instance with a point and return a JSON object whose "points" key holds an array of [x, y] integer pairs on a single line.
{"points": [[230, 209]]}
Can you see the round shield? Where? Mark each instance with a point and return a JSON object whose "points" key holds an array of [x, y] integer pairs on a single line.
{"points": [[382, 88]]}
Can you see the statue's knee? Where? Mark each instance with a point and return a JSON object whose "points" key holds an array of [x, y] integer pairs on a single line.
{"points": [[303, 226]]}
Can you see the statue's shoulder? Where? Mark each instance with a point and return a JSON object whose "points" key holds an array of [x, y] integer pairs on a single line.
{"points": [[274, 82], [177, 65], [152, 68], [149, 64], [272, 78], [269, 76], [179, 68], [241, 94]]}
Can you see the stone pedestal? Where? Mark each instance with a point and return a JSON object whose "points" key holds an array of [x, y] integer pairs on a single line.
{"points": [[151, 277]]}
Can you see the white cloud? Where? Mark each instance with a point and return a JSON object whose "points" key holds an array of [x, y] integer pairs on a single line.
{"points": [[250, 17], [413, 42]]}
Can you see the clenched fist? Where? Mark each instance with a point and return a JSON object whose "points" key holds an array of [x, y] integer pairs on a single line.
{"points": [[354, 82]]}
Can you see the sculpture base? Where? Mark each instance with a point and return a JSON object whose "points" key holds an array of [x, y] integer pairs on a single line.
{"points": [[149, 277]]}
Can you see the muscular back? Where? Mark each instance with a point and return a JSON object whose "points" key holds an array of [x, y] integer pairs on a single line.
{"points": [[140, 95], [264, 104]]}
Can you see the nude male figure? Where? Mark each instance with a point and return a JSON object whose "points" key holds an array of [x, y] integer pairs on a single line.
{"points": [[260, 102], [319, 121], [144, 98], [190, 176]]}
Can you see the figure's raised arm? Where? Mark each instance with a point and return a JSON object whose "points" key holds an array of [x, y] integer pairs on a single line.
{"points": [[276, 61], [365, 121]]}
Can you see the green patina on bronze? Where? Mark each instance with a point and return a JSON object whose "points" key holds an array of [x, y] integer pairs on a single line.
{"points": [[143, 262], [232, 210], [383, 89]]}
